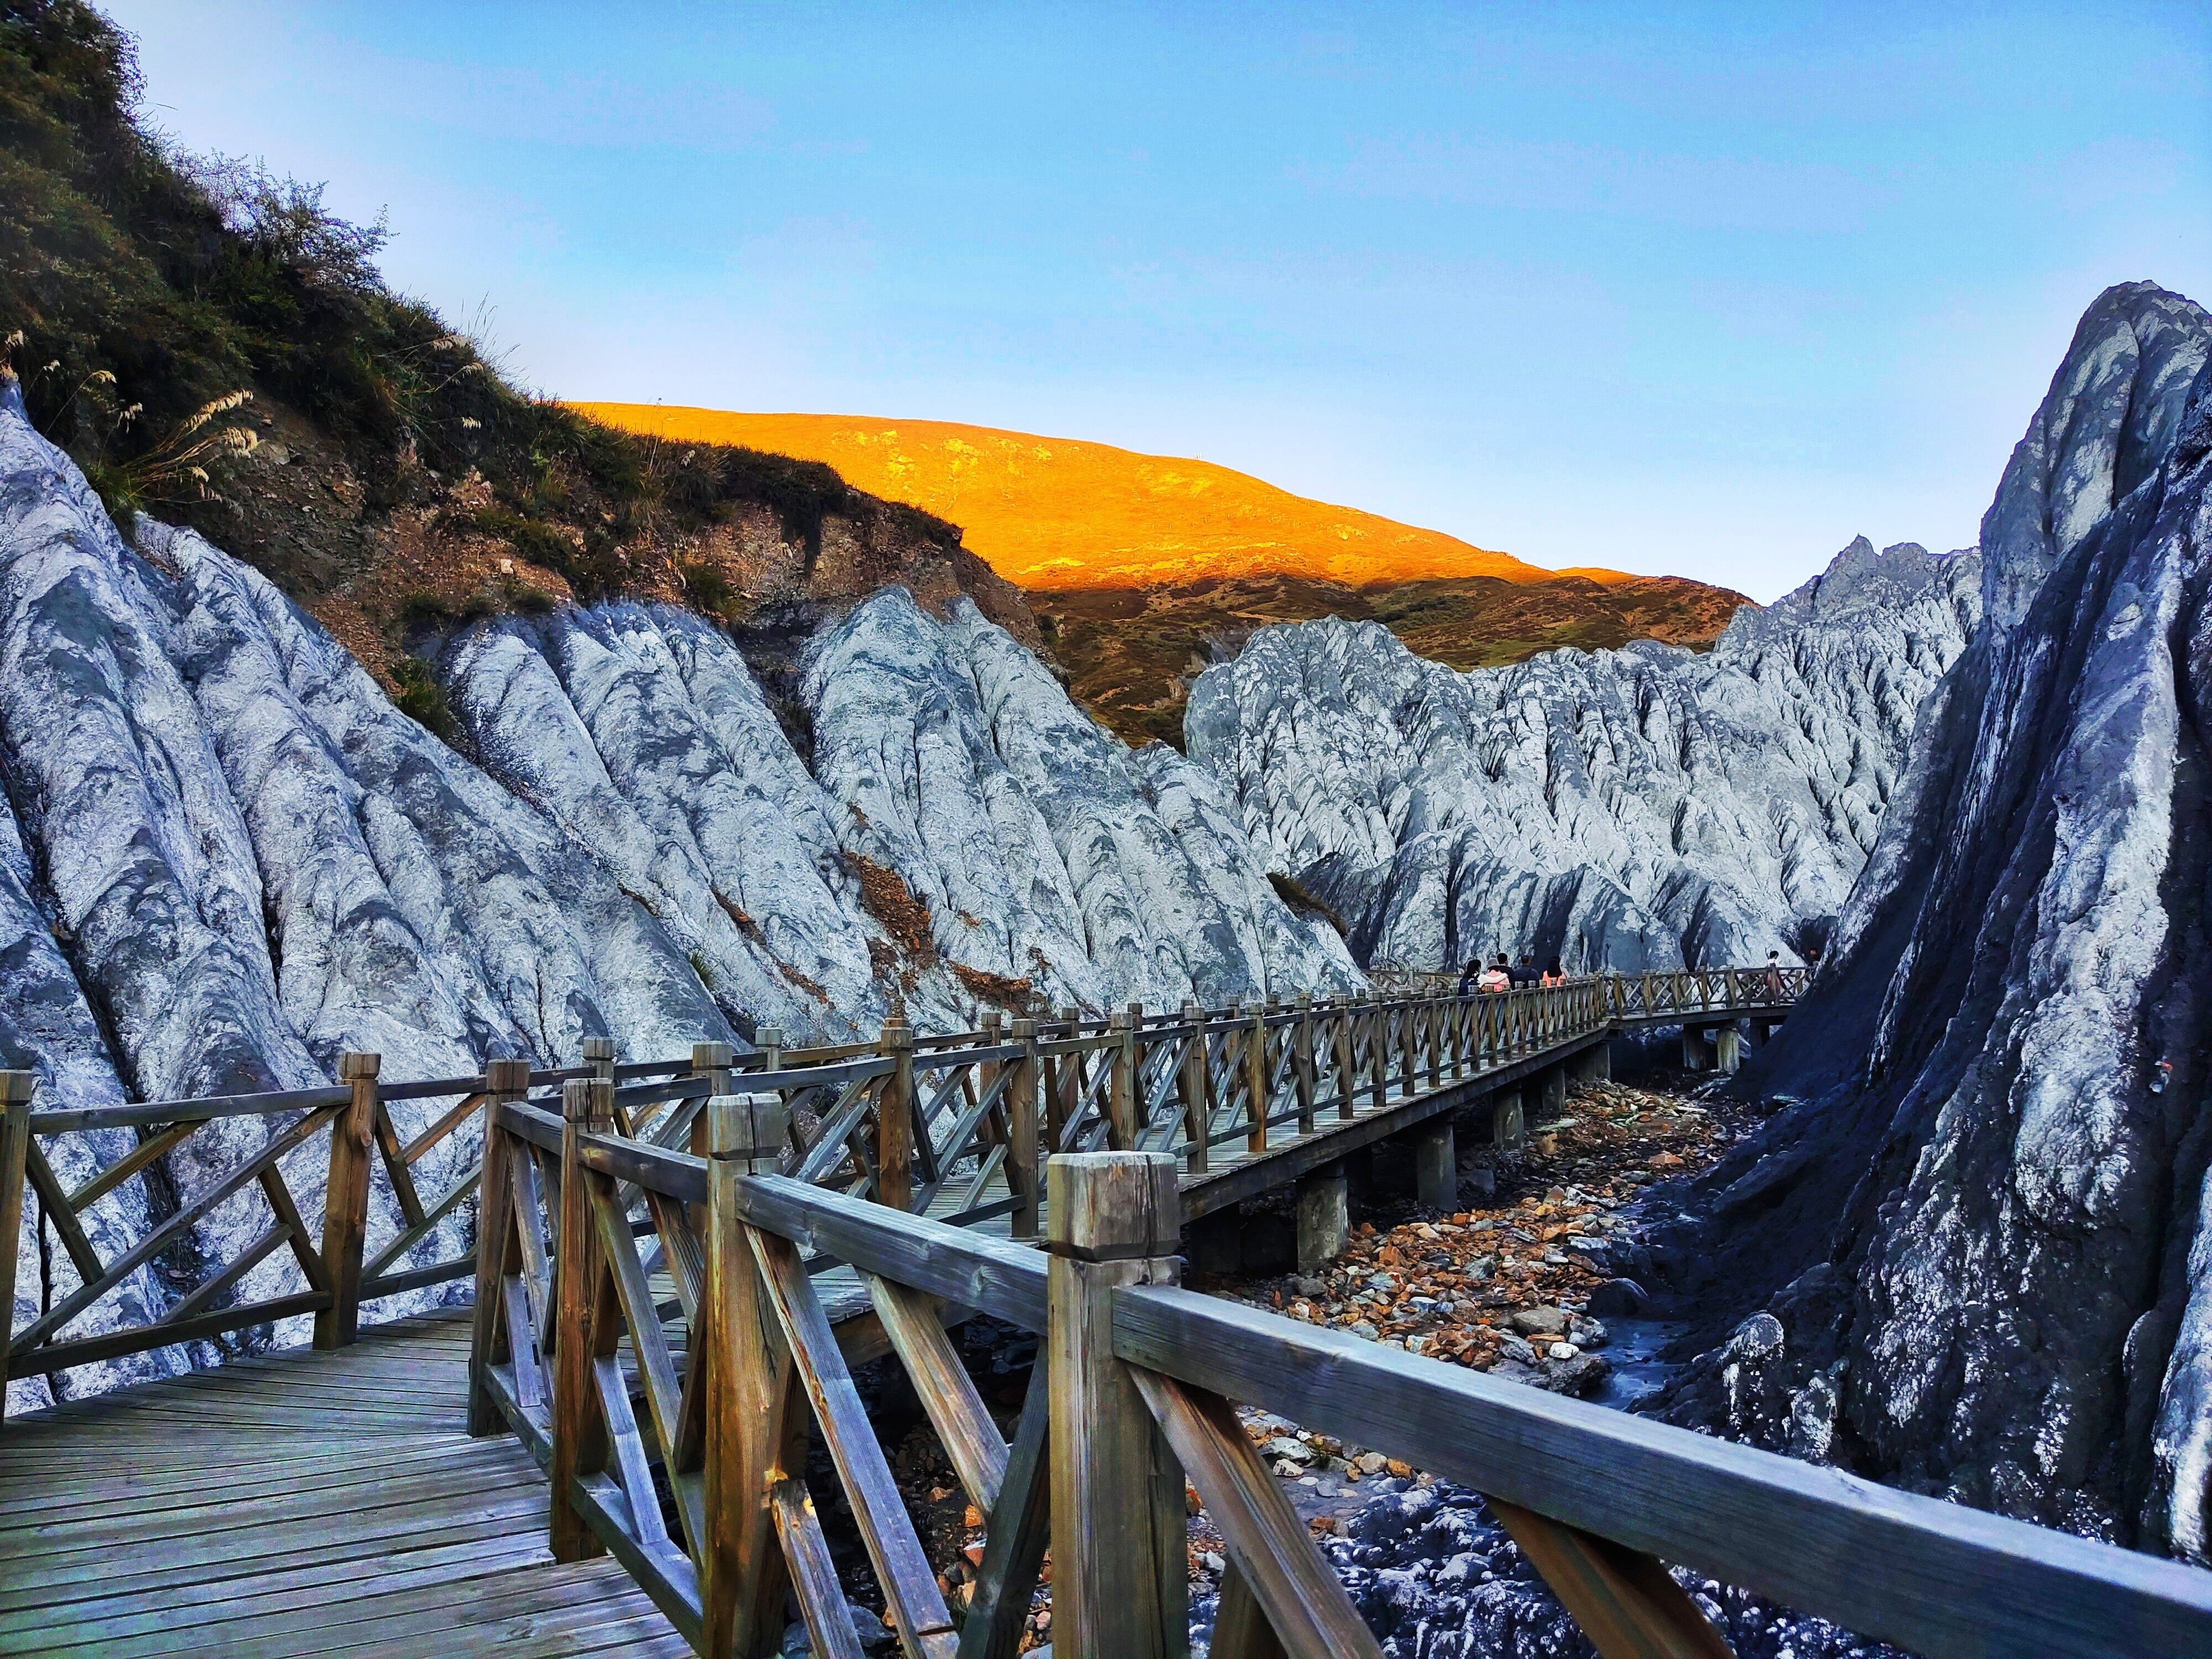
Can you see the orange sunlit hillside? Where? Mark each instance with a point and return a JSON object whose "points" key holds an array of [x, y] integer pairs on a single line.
{"points": [[1056, 513]]}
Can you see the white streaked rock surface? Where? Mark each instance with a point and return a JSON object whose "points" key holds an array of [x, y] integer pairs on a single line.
{"points": [[226, 858], [1624, 809]]}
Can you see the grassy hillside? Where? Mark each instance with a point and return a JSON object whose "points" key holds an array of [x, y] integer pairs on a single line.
{"points": [[1143, 569], [1059, 514], [349, 440]]}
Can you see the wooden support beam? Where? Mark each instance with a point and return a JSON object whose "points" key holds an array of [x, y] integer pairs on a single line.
{"points": [[1378, 1050], [971, 1440], [914, 1600], [15, 1088], [1303, 1062], [345, 1202], [1121, 1567], [1347, 1067], [1257, 1075], [1122, 1089], [1192, 1089], [499, 1251], [1241, 1629], [814, 1577], [1299, 1592], [1019, 1528], [1623, 1601]]}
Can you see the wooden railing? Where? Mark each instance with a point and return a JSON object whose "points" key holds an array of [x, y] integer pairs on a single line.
{"points": [[953, 1126], [1131, 1393]]}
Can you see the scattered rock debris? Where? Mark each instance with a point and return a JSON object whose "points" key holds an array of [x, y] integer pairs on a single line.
{"points": [[1508, 1289]]}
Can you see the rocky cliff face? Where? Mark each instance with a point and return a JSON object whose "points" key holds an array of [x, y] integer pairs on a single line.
{"points": [[1982, 1238], [227, 858], [1644, 807]]}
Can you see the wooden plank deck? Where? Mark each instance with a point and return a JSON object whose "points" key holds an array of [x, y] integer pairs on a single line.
{"points": [[297, 1503]]}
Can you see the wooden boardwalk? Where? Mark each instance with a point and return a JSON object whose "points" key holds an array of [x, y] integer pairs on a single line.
{"points": [[297, 1503]]}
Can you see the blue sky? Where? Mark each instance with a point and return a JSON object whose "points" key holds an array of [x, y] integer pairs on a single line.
{"points": [[1667, 289]]}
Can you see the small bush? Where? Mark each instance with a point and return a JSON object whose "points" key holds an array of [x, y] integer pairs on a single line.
{"points": [[421, 699], [1294, 893]]}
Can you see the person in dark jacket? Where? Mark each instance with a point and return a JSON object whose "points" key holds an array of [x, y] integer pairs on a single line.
{"points": [[1524, 971], [1466, 974]]}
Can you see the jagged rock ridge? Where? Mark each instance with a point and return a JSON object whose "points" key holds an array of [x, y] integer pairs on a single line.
{"points": [[227, 858], [1981, 1240], [1631, 809]]}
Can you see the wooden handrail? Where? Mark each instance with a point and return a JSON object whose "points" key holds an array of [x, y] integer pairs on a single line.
{"points": [[1182, 1081], [1134, 1378]]}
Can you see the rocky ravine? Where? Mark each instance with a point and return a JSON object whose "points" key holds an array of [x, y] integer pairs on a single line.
{"points": [[1981, 1241], [1647, 807], [226, 858]]}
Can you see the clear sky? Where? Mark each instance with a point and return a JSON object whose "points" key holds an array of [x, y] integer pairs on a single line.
{"points": [[1657, 288]]}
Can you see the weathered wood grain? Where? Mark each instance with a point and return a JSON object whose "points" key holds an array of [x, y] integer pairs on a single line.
{"points": [[971, 1440], [1019, 1530], [1119, 1559], [1929, 1575], [813, 1576], [903, 1569], [1622, 1600], [1305, 1605], [345, 1202]]}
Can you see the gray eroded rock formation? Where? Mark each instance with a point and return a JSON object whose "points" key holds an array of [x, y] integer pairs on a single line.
{"points": [[226, 858], [1981, 1241], [1640, 808]]}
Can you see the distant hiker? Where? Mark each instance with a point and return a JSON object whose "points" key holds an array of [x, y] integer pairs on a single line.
{"points": [[1774, 974]]}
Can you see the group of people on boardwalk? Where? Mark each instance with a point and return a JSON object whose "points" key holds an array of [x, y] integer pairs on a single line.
{"points": [[1501, 975]]}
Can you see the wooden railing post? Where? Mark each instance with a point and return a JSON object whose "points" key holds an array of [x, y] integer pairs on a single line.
{"points": [[1024, 1170], [345, 1202], [599, 1055], [491, 1341], [1305, 1064], [1133, 1042], [1063, 1076], [1120, 1083], [894, 1117], [753, 1423], [15, 1088], [1409, 1038], [1120, 1552], [987, 1074], [578, 1438], [1257, 1073], [1348, 1066], [1191, 1090], [714, 1064], [1378, 1050]]}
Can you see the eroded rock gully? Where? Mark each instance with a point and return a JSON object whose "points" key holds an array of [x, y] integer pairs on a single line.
{"points": [[226, 858], [1647, 807]]}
